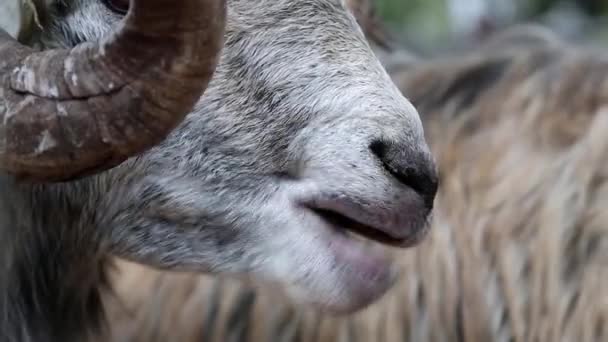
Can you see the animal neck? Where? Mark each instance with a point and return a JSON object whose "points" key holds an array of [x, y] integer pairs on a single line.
{"points": [[50, 270]]}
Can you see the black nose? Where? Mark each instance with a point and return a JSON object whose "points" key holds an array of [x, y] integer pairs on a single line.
{"points": [[413, 167]]}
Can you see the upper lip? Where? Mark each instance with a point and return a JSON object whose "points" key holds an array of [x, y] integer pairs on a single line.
{"points": [[376, 224]]}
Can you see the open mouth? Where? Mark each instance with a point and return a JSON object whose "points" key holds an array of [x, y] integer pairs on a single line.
{"points": [[351, 235], [353, 223], [350, 226]]}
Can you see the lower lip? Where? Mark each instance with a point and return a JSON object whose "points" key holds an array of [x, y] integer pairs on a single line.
{"points": [[366, 262]]}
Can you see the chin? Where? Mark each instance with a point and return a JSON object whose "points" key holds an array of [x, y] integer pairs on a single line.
{"points": [[329, 256]]}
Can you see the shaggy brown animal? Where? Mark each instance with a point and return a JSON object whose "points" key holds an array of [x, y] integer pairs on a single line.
{"points": [[519, 244]]}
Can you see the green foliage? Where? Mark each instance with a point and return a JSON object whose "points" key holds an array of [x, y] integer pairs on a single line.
{"points": [[425, 14], [399, 11], [531, 8], [415, 16], [426, 23]]}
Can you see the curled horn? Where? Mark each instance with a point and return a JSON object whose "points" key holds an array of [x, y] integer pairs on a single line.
{"points": [[65, 114]]}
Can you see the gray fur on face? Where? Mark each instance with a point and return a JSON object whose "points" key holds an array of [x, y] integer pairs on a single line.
{"points": [[294, 106]]}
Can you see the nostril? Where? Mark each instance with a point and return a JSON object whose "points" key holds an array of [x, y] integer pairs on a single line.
{"points": [[378, 148], [414, 169]]}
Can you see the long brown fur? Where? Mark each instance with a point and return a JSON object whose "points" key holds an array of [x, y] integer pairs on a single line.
{"points": [[518, 249]]}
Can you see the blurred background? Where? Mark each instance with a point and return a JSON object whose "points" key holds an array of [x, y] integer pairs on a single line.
{"points": [[432, 25]]}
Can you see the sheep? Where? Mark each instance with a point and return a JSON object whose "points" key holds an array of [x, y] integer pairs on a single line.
{"points": [[518, 245], [274, 146]]}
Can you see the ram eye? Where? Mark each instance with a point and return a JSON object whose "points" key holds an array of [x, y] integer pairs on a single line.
{"points": [[117, 6]]}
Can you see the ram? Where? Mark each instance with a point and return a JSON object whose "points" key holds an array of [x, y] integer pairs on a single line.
{"points": [[518, 249], [108, 149]]}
